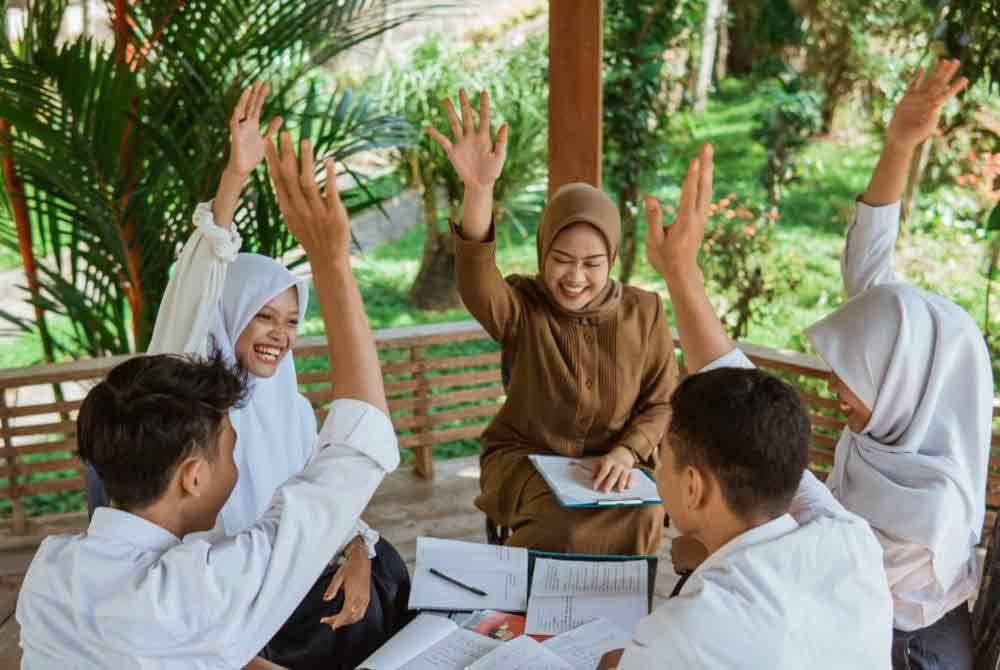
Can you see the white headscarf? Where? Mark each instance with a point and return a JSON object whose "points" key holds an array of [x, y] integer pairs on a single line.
{"points": [[918, 470], [276, 429]]}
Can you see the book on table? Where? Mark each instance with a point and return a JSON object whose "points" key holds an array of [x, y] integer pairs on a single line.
{"points": [[558, 592], [432, 642], [571, 481]]}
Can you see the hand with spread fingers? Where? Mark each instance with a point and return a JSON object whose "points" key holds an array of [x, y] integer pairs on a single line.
{"points": [[318, 219], [477, 160], [613, 470], [354, 577], [673, 250], [917, 114], [247, 142], [247, 145]]}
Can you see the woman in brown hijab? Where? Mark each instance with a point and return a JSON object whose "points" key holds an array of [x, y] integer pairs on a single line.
{"points": [[591, 361]]}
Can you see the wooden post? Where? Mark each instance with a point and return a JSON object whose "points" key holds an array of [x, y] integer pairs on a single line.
{"points": [[18, 521], [423, 456], [575, 95]]}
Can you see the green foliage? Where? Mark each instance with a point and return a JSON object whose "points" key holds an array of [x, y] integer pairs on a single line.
{"points": [[793, 115], [742, 268], [117, 144], [636, 33], [970, 31], [516, 81]]}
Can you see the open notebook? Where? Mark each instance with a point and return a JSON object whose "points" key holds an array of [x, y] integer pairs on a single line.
{"points": [[432, 642], [571, 481]]}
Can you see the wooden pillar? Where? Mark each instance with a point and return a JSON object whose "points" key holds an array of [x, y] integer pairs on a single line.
{"points": [[575, 97], [423, 456]]}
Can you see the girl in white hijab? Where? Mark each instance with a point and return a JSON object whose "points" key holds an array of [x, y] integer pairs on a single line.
{"points": [[914, 377], [249, 306]]}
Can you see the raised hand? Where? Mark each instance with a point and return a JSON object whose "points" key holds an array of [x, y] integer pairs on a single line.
{"points": [[918, 112], [246, 140], [476, 159], [673, 250], [319, 221]]}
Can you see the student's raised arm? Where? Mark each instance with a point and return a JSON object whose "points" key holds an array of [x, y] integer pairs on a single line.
{"points": [[673, 252], [868, 252], [319, 222], [478, 161], [199, 274]]}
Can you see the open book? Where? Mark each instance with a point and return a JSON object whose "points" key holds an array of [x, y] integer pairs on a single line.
{"points": [[571, 480], [432, 642], [501, 573]]}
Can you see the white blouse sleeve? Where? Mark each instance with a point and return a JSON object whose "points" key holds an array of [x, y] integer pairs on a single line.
{"points": [[195, 287], [868, 252]]}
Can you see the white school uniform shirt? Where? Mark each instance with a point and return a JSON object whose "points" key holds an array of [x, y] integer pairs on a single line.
{"points": [[917, 473], [805, 590], [128, 594], [213, 294]]}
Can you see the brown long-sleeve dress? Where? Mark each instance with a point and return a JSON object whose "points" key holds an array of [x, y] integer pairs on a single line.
{"points": [[581, 383]]}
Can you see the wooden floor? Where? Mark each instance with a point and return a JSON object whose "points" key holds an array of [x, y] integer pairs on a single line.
{"points": [[404, 507]]}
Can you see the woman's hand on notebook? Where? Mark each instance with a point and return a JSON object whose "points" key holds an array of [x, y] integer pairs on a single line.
{"points": [[613, 471]]}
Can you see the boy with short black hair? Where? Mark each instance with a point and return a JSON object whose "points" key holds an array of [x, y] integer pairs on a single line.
{"points": [[792, 579], [128, 592]]}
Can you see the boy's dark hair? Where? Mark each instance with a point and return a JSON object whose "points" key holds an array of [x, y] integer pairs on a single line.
{"points": [[750, 430], [149, 414]]}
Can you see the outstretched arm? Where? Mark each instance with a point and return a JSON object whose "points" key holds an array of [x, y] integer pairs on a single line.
{"points": [[871, 238], [196, 281], [673, 252], [319, 222], [478, 162]]}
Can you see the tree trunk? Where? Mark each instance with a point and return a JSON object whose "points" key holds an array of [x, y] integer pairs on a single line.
{"points": [[706, 62], [740, 50], [916, 173], [434, 286], [723, 58], [629, 244]]}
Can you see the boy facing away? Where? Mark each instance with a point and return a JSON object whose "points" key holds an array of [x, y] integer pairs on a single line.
{"points": [[792, 580], [128, 593]]}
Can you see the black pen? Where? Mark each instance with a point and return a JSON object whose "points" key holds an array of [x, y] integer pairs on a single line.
{"points": [[473, 589]]}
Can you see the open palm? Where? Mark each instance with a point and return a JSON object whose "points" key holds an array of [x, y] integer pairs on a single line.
{"points": [[477, 161], [248, 143], [918, 112]]}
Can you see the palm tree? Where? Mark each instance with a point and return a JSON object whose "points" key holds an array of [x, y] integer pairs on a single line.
{"points": [[108, 147]]}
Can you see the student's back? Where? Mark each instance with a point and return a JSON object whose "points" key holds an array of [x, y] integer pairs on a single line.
{"points": [[780, 596]]}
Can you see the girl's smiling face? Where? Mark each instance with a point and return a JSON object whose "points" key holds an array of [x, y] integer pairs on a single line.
{"points": [[270, 335], [576, 267], [858, 414]]}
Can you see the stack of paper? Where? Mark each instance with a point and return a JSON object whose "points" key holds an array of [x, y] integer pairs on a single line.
{"points": [[567, 594], [501, 572]]}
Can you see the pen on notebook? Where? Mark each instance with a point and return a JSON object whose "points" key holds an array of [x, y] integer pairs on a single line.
{"points": [[452, 580]]}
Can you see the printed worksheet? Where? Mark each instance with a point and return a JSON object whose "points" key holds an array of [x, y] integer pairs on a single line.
{"points": [[583, 647], [522, 653], [500, 572], [567, 594], [430, 642]]}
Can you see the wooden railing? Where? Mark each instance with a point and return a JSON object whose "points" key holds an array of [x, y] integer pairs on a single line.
{"points": [[443, 383]]}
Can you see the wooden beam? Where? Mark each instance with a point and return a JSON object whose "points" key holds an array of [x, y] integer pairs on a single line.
{"points": [[575, 97]]}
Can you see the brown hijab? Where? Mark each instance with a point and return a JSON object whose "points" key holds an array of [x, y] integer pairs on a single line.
{"points": [[581, 203]]}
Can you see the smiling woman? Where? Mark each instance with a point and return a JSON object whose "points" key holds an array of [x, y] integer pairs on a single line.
{"points": [[270, 334]]}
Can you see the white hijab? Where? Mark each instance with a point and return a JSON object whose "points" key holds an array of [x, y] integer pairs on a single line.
{"points": [[918, 470], [276, 429]]}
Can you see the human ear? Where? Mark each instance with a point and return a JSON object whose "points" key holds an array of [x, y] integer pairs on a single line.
{"points": [[192, 474], [695, 488]]}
